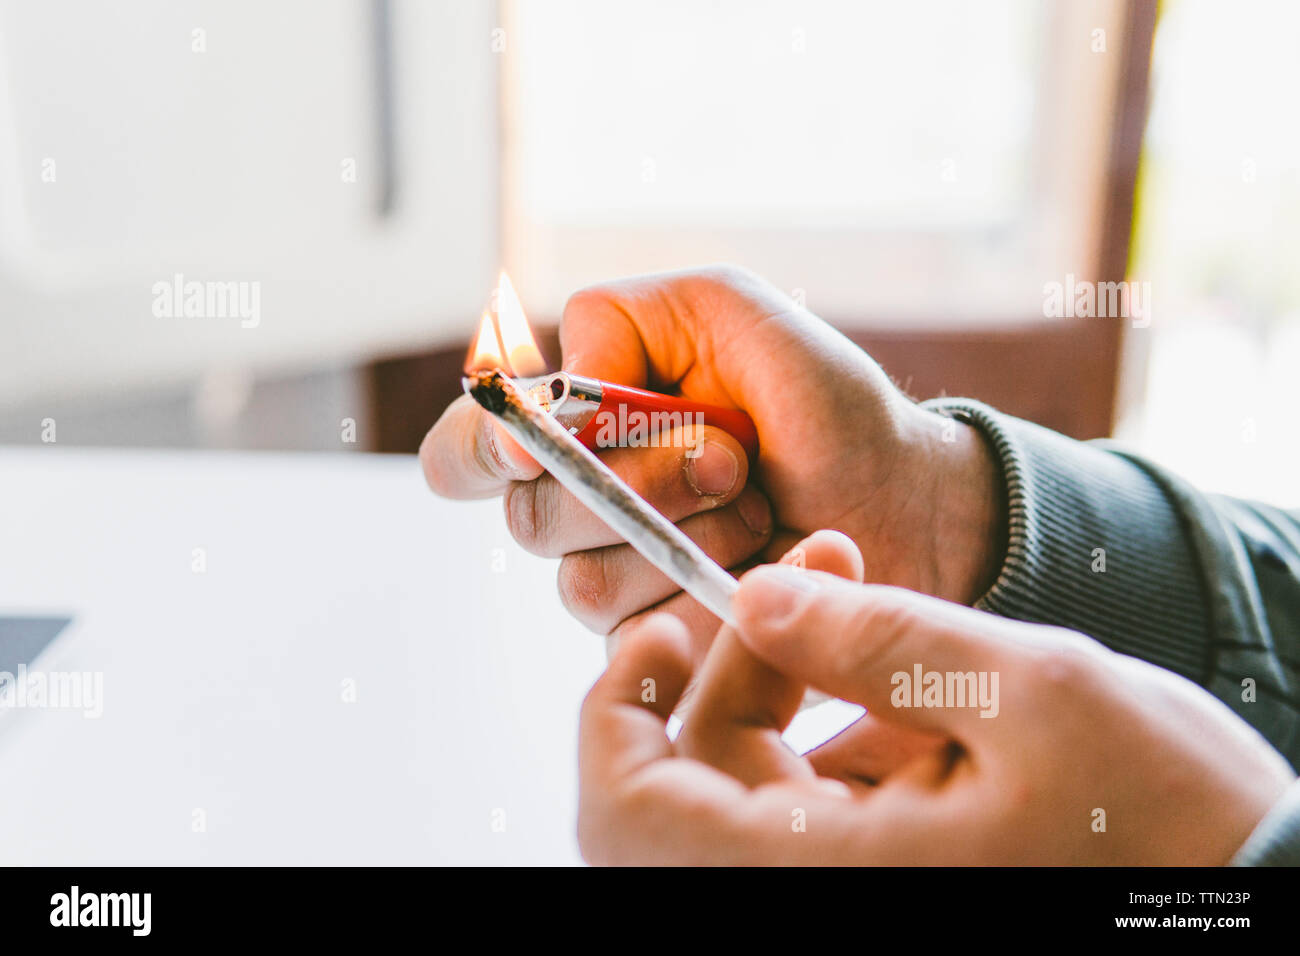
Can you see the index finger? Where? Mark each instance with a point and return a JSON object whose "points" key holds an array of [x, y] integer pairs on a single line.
{"points": [[641, 803], [674, 329], [904, 656], [468, 454], [742, 704]]}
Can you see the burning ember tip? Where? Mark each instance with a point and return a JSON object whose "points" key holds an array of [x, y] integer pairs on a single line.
{"points": [[488, 388]]}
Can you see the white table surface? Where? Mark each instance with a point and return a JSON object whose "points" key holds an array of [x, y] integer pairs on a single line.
{"points": [[223, 690]]}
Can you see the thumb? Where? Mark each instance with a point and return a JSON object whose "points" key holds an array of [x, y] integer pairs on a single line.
{"points": [[907, 658]]}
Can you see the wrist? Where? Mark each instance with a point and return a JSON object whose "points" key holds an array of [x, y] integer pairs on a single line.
{"points": [[970, 526]]}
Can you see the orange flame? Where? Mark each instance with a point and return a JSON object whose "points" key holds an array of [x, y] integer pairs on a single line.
{"points": [[504, 338], [486, 352]]}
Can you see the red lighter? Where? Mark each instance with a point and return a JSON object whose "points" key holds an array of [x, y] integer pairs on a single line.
{"points": [[600, 414], [607, 415]]}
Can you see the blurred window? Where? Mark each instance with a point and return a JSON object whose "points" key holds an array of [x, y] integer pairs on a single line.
{"points": [[906, 161]]}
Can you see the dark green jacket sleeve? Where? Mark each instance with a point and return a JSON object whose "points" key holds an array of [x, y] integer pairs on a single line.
{"points": [[1106, 543]]}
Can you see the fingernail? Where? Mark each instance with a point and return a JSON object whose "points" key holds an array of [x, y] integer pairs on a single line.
{"points": [[754, 510], [775, 591], [796, 558], [832, 787], [506, 466], [713, 471]]}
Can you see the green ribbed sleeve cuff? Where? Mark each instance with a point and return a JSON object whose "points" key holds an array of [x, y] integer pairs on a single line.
{"points": [[1102, 542], [1095, 544], [1275, 841]]}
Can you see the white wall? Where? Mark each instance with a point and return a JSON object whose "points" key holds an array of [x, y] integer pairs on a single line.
{"points": [[226, 164]]}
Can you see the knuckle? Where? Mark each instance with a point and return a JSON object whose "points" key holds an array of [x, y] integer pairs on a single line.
{"points": [[584, 582], [885, 625], [726, 280], [526, 515], [655, 474], [727, 275], [713, 281], [1065, 669], [711, 531], [592, 298], [724, 536]]}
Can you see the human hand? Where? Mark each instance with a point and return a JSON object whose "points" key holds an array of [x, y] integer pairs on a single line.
{"points": [[1078, 729], [840, 447]]}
